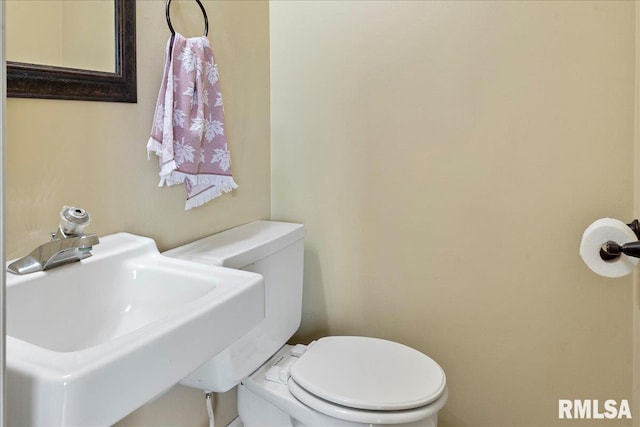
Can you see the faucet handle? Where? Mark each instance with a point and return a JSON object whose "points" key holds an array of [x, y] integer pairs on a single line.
{"points": [[73, 220]]}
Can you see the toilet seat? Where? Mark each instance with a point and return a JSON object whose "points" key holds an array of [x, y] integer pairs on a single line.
{"points": [[366, 416], [364, 377]]}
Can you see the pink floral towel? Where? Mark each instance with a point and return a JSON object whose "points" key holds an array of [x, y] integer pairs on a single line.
{"points": [[188, 127]]}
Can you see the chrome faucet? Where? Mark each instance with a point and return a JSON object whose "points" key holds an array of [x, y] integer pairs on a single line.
{"points": [[68, 244]]}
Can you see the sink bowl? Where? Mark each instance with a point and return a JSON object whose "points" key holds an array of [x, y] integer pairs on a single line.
{"points": [[90, 342]]}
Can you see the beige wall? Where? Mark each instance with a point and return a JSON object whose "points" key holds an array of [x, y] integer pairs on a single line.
{"points": [[446, 158], [92, 154]]}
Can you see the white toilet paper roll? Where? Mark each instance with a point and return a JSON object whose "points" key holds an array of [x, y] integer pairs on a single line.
{"points": [[600, 232]]}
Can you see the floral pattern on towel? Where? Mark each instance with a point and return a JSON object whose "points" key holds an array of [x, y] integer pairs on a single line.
{"points": [[188, 131]]}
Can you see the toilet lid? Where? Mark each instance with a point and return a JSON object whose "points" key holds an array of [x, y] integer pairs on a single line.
{"points": [[369, 373]]}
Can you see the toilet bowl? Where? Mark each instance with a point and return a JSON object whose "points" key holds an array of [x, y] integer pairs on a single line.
{"points": [[334, 381], [344, 381]]}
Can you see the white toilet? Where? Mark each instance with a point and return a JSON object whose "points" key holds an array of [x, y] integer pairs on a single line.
{"points": [[334, 381]]}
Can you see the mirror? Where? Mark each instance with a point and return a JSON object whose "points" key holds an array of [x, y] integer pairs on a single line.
{"points": [[62, 33], [30, 80]]}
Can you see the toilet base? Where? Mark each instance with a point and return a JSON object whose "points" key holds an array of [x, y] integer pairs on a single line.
{"points": [[254, 411], [264, 403]]}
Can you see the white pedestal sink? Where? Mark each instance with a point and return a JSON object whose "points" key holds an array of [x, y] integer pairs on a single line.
{"points": [[89, 342]]}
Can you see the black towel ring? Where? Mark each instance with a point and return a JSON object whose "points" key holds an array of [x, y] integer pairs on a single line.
{"points": [[204, 13]]}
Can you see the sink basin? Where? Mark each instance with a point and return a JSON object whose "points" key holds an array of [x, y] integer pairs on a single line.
{"points": [[90, 342]]}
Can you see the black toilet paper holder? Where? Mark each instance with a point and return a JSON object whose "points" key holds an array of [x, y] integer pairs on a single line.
{"points": [[612, 250]]}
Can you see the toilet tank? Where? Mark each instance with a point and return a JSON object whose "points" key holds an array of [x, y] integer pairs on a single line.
{"points": [[275, 250]]}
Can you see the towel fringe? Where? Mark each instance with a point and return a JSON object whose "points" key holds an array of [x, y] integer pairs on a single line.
{"points": [[154, 146], [206, 196], [177, 177], [167, 170]]}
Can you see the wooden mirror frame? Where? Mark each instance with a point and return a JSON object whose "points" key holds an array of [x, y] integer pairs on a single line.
{"points": [[50, 82]]}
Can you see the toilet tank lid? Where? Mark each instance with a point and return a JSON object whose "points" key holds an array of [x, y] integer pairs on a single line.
{"points": [[242, 245]]}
